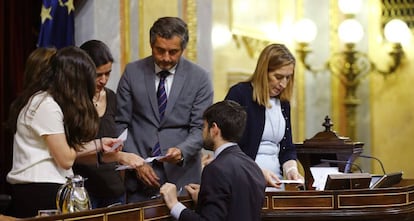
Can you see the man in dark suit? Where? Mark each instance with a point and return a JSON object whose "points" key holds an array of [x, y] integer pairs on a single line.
{"points": [[174, 130], [232, 185]]}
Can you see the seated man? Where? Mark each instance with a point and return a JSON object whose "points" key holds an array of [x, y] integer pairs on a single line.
{"points": [[232, 185]]}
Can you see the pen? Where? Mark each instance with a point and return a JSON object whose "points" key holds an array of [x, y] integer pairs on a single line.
{"points": [[156, 196]]}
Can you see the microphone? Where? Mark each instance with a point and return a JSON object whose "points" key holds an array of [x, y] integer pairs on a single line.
{"points": [[342, 162], [378, 160]]}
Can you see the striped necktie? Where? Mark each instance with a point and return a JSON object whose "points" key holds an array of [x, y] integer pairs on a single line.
{"points": [[162, 104], [161, 93]]}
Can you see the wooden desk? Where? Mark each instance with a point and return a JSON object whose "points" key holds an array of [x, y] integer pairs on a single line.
{"points": [[148, 210], [396, 203]]}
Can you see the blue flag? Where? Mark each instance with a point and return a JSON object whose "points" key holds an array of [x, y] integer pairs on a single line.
{"points": [[57, 28]]}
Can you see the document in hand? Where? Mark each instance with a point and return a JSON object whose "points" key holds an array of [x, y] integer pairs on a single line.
{"points": [[122, 138], [150, 159]]}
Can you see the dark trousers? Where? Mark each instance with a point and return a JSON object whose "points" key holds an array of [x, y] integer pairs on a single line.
{"points": [[27, 199], [137, 191], [100, 202]]}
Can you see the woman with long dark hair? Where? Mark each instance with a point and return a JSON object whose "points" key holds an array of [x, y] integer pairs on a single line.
{"points": [[53, 121]]}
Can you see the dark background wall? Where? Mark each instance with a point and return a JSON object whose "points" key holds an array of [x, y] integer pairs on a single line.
{"points": [[19, 28]]}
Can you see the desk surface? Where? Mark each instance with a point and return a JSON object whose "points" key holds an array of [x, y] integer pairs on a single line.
{"points": [[396, 203]]}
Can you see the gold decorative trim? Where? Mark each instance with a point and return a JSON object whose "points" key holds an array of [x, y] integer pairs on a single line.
{"points": [[157, 218], [329, 197], [123, 211], [236, 77], [190, 16], [401, 9], [266, 203], [372, 195], [87, 217], [336, 90], [125, 32], [252, 45], [299, 114], [141, 30], [248, 35]]}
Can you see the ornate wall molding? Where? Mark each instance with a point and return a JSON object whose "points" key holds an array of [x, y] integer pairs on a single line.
{"points": [[190, 15], [401, 9], [252, 45]]}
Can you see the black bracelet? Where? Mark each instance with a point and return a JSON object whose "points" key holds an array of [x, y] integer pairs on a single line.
{"points": [[100, 153], [96, 152]]}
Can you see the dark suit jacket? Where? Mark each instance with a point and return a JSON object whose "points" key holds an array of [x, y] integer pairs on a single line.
{"points": [[190, 94], [242, 93], [232, 188]]}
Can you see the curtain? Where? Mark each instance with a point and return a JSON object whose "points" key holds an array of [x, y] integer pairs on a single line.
{"points": [[19, 28]]}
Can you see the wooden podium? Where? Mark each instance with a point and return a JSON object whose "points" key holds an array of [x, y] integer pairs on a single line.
{"points": [[395, 203], [327, 145]]}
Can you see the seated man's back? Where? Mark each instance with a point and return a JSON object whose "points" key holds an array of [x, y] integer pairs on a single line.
{"points": [[235, 179]]}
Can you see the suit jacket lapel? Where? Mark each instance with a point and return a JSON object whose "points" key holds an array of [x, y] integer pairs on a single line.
{"points": [[177, 85]]}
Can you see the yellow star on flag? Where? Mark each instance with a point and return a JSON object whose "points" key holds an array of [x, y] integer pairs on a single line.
{"points": [[70, 6], [45, 13]]}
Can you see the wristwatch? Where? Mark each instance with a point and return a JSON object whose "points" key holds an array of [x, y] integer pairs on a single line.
{"points": [[181, 162]]}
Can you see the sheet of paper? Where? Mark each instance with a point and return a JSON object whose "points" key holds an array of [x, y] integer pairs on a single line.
{"points": [[123, 167], [150, 159], [292, 181], [320, 174], [274, 189], [122, 138]]}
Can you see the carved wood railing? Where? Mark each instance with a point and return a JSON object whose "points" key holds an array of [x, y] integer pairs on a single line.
{"points": [[395, 203]]}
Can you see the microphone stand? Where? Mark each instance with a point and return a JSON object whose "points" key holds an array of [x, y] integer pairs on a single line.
{"points": [[378, 160]]}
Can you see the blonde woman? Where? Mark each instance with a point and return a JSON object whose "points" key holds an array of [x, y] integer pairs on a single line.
{"points": [[268, 135]]}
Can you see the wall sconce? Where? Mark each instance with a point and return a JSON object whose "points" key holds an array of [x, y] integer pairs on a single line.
{"points": [[351, 65]]}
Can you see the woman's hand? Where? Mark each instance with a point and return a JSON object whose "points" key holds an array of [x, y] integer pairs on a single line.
{"points": [[290, 169], [271, 178], [107, 144], [130, 159]]}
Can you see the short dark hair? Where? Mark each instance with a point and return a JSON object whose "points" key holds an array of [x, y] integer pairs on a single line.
{"points": [[229, 116], [168, 27], [98, 51]]}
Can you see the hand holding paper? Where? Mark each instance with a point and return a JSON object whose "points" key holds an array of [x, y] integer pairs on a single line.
{"points": [[122, 138], [292, 181], [150, 159]]}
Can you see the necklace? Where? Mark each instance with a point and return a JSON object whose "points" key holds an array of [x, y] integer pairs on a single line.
{"points": [[96, 102]]}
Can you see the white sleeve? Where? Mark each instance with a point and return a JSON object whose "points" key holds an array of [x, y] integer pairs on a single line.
{"points": [[48, 118]]}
